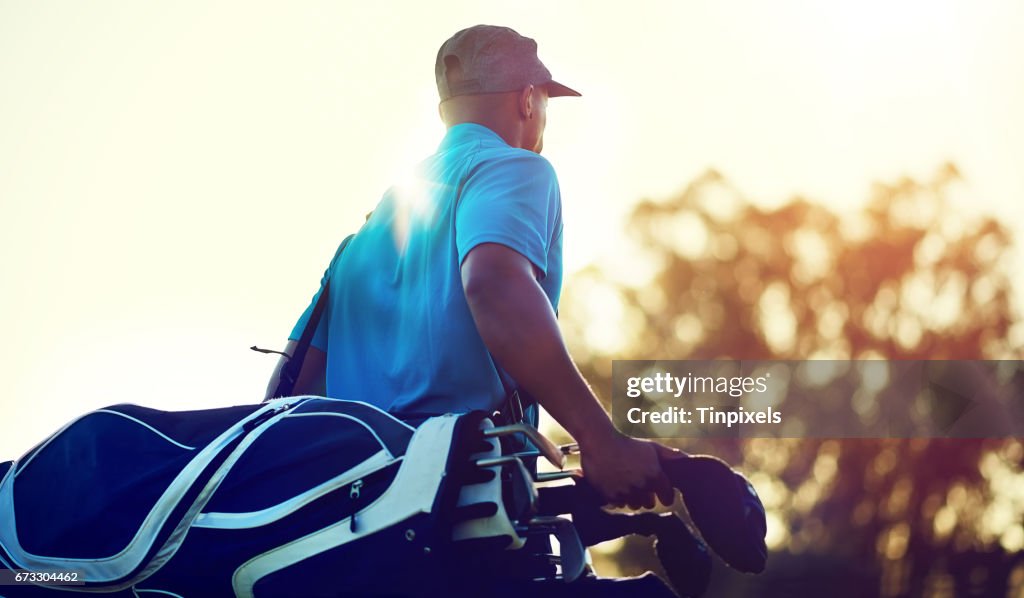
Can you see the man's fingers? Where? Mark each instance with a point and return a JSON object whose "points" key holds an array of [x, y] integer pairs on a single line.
{"points": [[610, 499], [663, 487], [666, 493], [642, 501], [633, 476]]}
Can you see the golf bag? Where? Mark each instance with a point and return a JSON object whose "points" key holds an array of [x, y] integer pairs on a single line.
{"points": [[299, 496], [309, 496]]}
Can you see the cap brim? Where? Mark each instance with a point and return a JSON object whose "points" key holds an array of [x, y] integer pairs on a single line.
{"points": [[556, 89]]}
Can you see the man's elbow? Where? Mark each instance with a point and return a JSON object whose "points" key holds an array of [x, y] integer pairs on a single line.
{"points": [[481, 288], [495, 288]]}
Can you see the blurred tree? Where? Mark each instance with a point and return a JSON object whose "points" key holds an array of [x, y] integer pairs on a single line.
{"points": [[710, 275]]}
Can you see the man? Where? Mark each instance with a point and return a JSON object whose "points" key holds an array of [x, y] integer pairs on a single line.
{"points": [[446, 297]]}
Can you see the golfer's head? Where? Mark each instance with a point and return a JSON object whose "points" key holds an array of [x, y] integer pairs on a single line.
{"points": [[492, 73]]}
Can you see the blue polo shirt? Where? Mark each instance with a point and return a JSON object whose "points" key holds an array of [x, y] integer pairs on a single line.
{"points": [[398, 332]]}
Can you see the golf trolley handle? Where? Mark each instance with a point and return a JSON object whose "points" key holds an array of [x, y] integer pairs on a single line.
{"points": [[721, 502], [548, 449], [682, 555]]}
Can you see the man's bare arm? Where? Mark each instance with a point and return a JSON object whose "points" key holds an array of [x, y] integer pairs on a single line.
{"points": [[312, 378], [518, 325]]}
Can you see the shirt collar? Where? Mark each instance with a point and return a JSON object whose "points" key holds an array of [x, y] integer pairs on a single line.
{"points": [[463, 132]]}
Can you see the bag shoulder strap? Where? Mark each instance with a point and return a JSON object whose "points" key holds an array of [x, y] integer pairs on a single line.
{"points": [[292, 367]]}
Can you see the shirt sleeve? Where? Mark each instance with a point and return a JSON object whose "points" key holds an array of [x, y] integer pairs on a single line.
{"points": [[514, 201]]}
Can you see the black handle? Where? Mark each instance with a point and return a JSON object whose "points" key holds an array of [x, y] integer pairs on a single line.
{"points": [[721, 502]]}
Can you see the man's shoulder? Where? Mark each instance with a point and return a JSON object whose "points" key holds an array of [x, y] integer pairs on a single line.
{"points": [[512, 160]]}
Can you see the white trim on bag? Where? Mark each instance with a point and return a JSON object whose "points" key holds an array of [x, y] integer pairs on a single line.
{"points": [[345, 416], [177, 536], [18, 466], [35, 451], [144, 424], [365, 404], [413, 491], [375, 462], [110, 568], [136, 591]]}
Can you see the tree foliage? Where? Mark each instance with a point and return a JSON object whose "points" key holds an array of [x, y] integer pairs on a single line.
{"points": [[712, 275]]}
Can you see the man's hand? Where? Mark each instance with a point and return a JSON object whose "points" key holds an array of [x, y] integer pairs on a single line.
{"points": [[627, 471]]}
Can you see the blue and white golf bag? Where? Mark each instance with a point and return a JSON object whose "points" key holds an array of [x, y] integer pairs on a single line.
{"points": [[309, 496], [300, 496]]}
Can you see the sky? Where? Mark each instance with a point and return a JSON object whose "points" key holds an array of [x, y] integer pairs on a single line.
{"points": [[175, 177]]}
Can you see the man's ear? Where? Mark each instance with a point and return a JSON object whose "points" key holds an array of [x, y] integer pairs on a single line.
{"points": [[527, 100]]}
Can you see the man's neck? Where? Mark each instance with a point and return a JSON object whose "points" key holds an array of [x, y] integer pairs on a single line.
{"points": [[512, 135]]}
